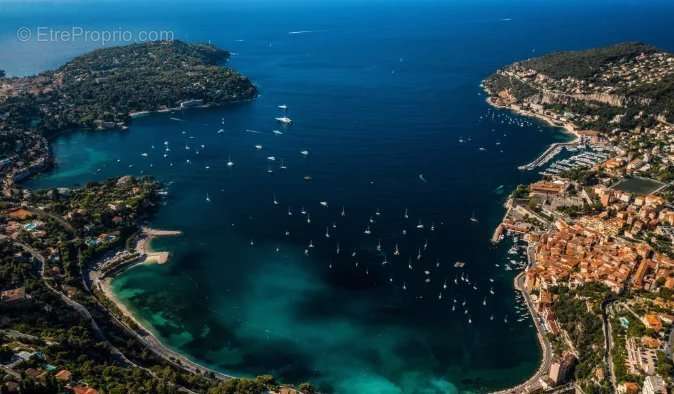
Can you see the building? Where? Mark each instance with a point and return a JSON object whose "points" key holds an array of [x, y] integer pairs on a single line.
{"points": [[639, 358], [654, 385], [191, 103], [83, 390], [13, 296], [64, 376], [651, 320], [561, 369], [628, 388]]}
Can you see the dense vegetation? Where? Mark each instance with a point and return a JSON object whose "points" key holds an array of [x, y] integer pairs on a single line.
{"points": [[584, 64], [108, 84], [578, 312]]}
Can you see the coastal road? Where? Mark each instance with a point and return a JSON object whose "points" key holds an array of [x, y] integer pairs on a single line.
{"points": [[81, 309], [533, 383]]}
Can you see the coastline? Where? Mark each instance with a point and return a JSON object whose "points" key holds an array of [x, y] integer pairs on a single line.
{"points": [[543, 342], [567, 128], [143, 333]]}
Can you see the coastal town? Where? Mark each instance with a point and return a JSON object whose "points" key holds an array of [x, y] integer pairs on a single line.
{"points": [[597, 229], [598, 224]]}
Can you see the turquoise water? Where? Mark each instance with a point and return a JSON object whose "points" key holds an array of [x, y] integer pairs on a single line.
{"points": [[381, 93]]}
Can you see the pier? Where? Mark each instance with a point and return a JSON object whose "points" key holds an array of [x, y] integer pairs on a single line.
{"points": [[552, 151]]}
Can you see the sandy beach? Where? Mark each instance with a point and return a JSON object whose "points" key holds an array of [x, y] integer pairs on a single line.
{"points": [[145, 335]]}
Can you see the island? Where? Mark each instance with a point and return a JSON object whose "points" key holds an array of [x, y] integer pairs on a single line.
{"points": [[60, 330], [599, 281]]}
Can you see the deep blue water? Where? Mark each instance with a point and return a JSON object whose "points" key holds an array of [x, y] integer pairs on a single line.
{"points": [[380, 92]]}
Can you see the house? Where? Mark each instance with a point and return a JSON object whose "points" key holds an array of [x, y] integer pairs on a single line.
{"points": [[654, 385], [651, 320], [63, 376], [628, 388], [13, 296], [84, 390]]}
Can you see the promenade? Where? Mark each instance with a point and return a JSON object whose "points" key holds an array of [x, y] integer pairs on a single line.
{"points": [[533, 383]]}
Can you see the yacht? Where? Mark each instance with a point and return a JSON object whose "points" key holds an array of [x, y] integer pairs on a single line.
{"points": [[208, 198], [367, 230], [396, 251], [284, 119], [473, 218]]}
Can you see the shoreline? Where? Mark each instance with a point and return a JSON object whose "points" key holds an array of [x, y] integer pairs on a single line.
{"points": [[566, 127], [148, 338], [144, 333], [543, 342]]}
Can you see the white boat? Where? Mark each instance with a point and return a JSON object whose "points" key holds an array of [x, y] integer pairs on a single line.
{"points": [[396, 251], [283, 107], [275, 200], [367, 230], [230, 163], [284, 120], [324, 203], [208, 198], [405, 215], [304, 152]]}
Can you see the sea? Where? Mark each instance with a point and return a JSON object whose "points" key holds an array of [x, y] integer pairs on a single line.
{"points": [[326, 251]]}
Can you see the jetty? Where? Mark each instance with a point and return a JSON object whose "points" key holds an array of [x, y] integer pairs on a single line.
{"points": [[552, 151]]}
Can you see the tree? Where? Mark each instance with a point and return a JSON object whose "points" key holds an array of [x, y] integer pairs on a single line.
{"points": [[307, 388]]}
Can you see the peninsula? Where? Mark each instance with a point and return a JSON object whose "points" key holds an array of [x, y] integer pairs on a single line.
{"points": [[59, 332], [600, 277]]}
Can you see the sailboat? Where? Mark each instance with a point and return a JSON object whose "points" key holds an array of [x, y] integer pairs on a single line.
{"points": [[367, 230], [379, 246], [343, 213], [396, 251], [208, 198], [275, 201], [327, 232], [405, 215], [473, 218]]}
